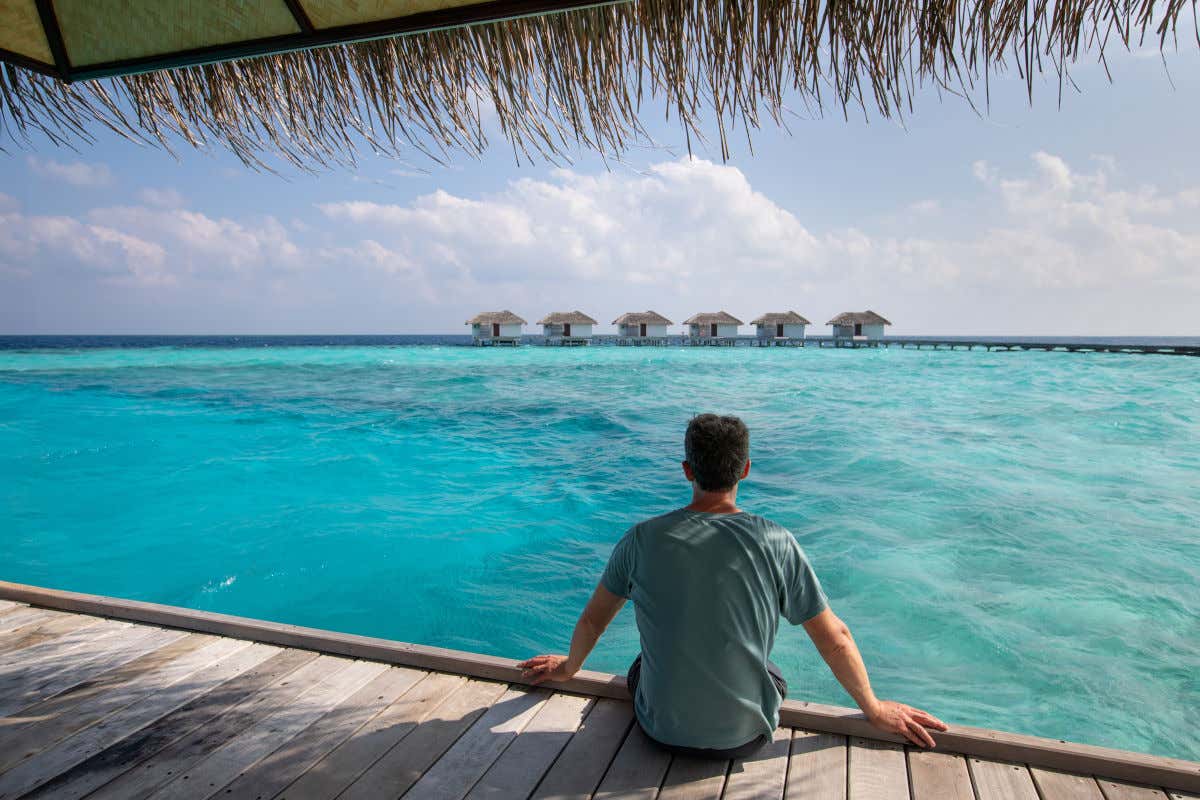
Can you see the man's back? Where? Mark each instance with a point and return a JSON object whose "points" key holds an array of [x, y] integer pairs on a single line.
{"points": [[708, 590]]}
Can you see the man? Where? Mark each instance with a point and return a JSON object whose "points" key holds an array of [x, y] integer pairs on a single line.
{"points": [[709, 583]]}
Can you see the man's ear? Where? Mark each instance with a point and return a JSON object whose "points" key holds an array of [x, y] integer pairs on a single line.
{"points": [[687, 471], [746, 471]]}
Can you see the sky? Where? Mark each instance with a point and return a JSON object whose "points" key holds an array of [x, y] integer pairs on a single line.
{"points": [[1079, 218]]}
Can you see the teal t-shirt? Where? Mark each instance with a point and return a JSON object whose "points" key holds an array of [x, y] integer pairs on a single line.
{"points": [[708, 591]]}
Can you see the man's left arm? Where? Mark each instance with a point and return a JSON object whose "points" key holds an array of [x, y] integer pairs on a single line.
{"points": [[594, 620]]}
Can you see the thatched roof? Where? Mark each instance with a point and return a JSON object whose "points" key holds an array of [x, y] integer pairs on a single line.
{"points": [[567, 318], [495, 317], [856, 317], [318, 80], [642, 318], [778, 317], [710, 317]]}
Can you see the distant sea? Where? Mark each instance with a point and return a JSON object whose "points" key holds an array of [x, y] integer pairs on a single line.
{"points": [[1012, 536], [449, 340]]}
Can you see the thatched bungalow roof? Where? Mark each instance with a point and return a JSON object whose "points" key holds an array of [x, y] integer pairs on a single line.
{"points": [[567, 318], [856, 317], [495, 318], [315, 81], [780, 317], [710, 317], [642, 318]]}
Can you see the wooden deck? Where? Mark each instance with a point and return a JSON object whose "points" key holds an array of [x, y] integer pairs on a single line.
{"points": [[97, 705]]}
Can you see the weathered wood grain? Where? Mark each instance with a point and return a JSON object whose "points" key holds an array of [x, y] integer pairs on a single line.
{"points": [[453, 775], [817, 767], [66, 673], [45, 723], [577, 771], [519, 768], [327, 778], [939, 776], [1001, 780], [638, 770], [189, 750], [694, 779], [764, 774], [1055, 785], [877, 771], [133, 750], [40, 632], [43, 767], [239, 753], [1119, 790], [272, 774], [403, 765]]}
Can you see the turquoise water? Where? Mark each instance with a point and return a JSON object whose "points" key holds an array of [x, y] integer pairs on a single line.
{"points": [[1011, 536]]}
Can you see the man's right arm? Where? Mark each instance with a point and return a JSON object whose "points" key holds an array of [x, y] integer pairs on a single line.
{"points": [[837, 647]]}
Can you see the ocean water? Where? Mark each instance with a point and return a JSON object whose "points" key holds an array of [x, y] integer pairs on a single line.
{"points": [[1012, 537]]}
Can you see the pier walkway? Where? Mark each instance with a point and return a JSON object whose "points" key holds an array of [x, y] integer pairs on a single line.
{"points": [[109, 698]]}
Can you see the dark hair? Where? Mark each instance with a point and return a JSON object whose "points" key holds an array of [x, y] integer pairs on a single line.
{"points": [[717, 449]]}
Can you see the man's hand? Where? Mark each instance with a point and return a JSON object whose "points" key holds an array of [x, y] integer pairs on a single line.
{"points": [[911, 723], [547, 668]]}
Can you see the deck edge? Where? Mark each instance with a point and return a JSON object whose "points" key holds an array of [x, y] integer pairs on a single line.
{"points": [[1170, 773]]}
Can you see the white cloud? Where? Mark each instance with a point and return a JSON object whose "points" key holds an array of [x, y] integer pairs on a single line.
{"points": [[162, 198], [76, 173]]}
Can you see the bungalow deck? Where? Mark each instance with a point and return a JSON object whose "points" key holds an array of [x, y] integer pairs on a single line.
{"points": [[109, 698]]}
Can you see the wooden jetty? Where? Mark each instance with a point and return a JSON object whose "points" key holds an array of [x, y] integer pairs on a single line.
{"points": [[921, 343], [109, 698]]}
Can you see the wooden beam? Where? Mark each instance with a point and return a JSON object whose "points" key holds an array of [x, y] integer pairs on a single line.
{"points": [[300, 15], [1153, 770], [62, 63]]}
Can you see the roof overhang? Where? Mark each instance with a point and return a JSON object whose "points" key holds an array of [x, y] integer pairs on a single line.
{"points": [[82, 39]]}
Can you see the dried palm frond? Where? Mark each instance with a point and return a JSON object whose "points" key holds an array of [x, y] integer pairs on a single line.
{"points": [[558, 83]]}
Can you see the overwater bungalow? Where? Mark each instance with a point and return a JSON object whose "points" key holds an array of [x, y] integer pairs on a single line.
{"points": [[642, 327], [712, 327], [567, 328], [858, 325], [496, 327], [779, 327]]}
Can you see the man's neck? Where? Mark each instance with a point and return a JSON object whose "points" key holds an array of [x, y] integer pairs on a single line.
{"points": [[714, 502]]}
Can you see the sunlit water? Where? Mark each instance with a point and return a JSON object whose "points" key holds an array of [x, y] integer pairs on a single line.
{"points": [[1011, 536]]}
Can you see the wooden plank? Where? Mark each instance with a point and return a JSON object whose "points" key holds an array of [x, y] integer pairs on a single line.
{"points": [[939, 776], [1055, 785], [8, 606], [453, 775], [1119, 790], [82, 641], [45, 723], [271, 775], [517, 771], [403, 765], [49, 763], [37, 633], [694, 779], [877, 771], [24, 616], [987, 744], [578, 769], [638, 770], [331, 775], [763, 774], [238, 754], [1182, 796], [817, 767], [69, 672], [190, 750], [1001, 780], [131, 751]]}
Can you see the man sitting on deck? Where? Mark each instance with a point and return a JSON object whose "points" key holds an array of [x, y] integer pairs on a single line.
{"points": [[709, 583]]}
